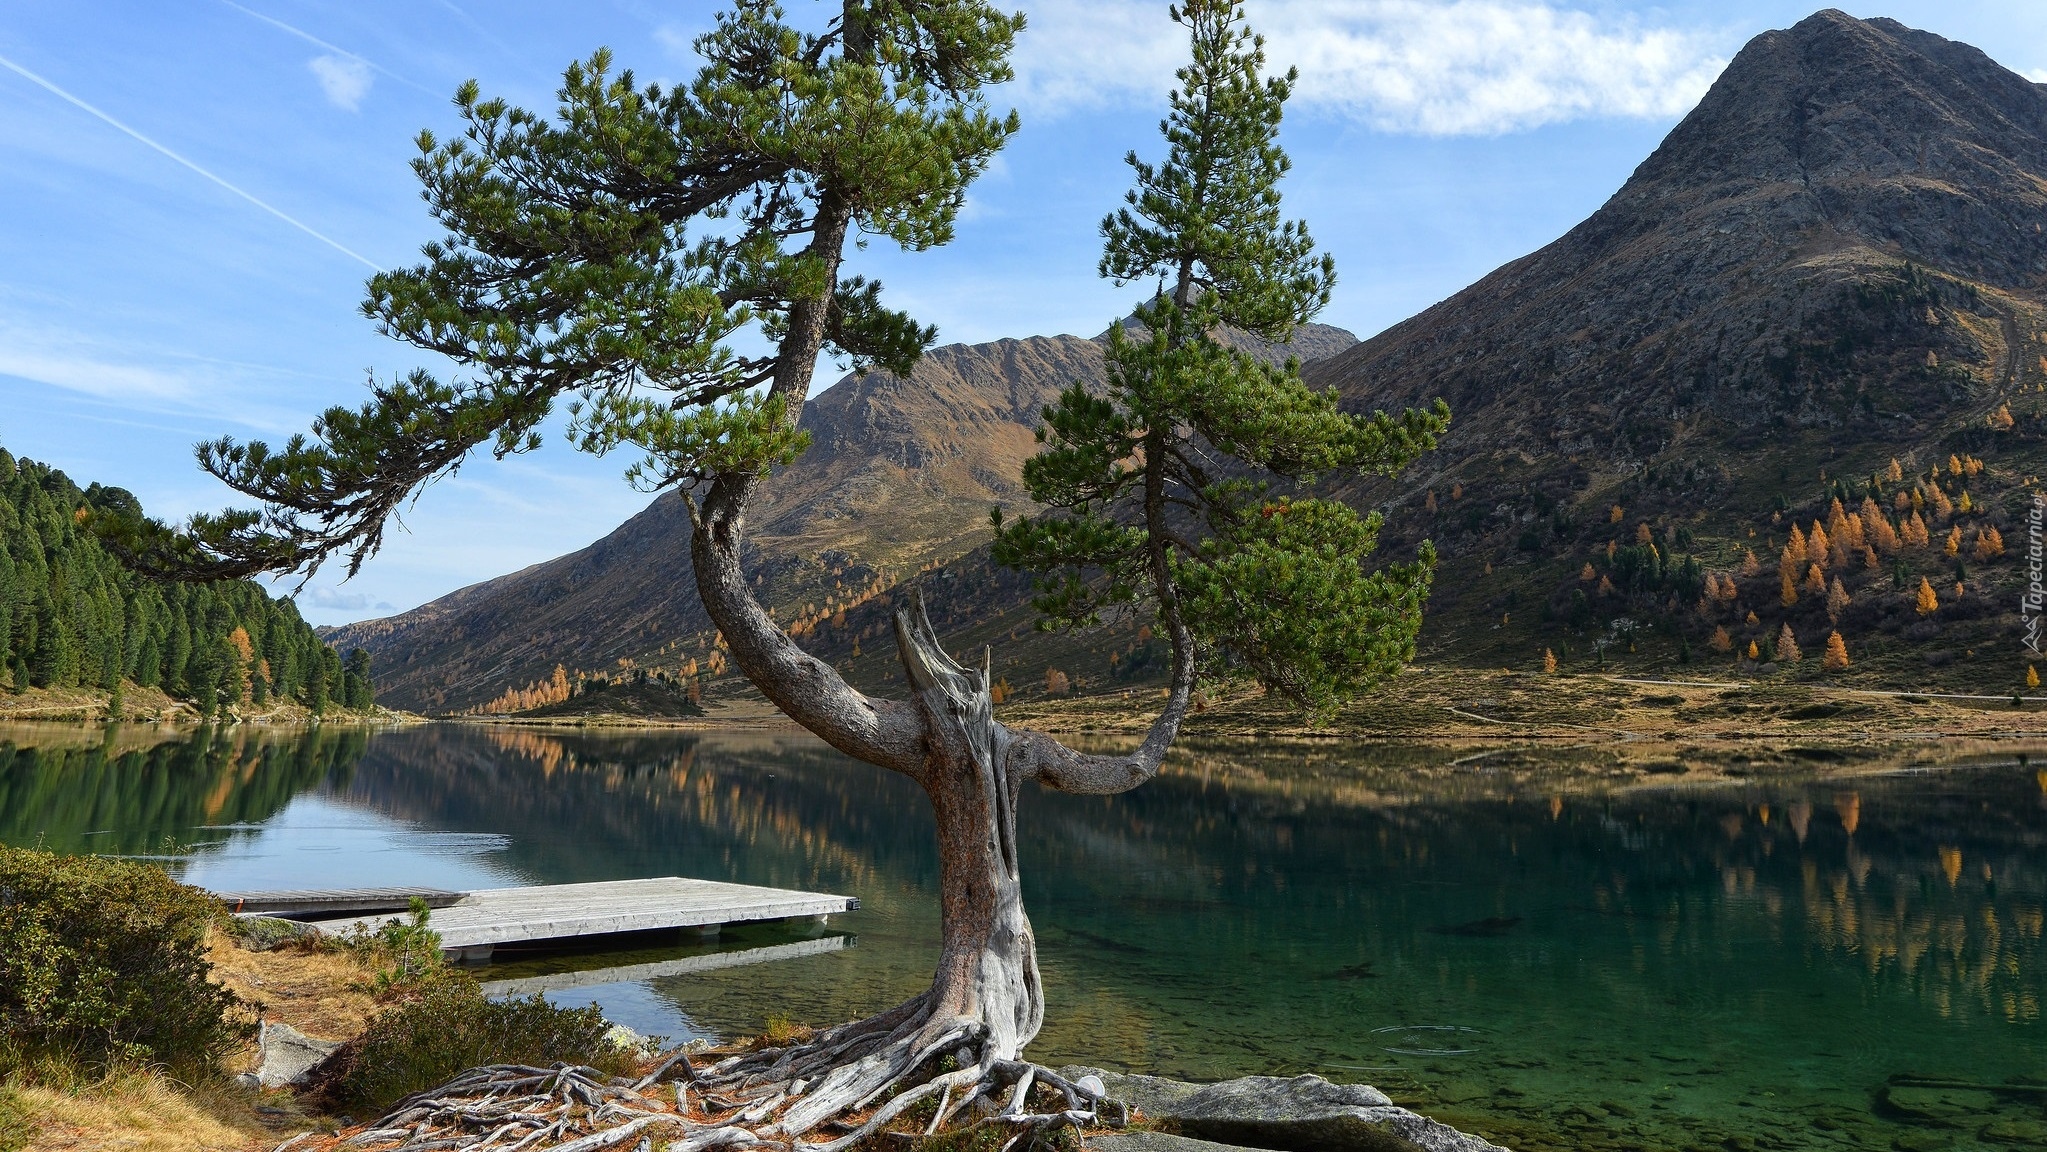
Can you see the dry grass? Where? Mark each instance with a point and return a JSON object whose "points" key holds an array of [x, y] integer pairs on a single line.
{"points": [[136, 1112], [1478, 705], [319, 993], [315, 992]]}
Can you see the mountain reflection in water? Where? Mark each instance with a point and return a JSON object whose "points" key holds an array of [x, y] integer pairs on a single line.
{"points": [[1648, 967]]}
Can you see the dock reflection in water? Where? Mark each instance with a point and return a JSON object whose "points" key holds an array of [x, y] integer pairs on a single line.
{"points": [[1542, 961]]}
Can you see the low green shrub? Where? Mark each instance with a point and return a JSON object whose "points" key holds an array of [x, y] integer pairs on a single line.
{"points": [[449, 1026], [102, 963], [406, 955]]}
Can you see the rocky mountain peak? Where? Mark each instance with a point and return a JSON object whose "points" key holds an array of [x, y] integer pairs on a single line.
{"points": [[1866, 128]]}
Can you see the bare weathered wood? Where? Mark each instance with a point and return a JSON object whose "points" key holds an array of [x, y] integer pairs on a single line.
{"points": [[559, 911], [559, 981], [331, 900]]}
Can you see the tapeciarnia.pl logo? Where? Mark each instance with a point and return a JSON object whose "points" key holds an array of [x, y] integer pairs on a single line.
{"points": [[2034, 600]]}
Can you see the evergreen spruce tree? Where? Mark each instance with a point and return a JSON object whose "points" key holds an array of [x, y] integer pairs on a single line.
{"points": [[358, 693], [1178, 485]]}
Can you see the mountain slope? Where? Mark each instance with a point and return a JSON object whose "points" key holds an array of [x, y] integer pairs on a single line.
{"points": [[1836, 259], [1825, 157], [899, 477]]}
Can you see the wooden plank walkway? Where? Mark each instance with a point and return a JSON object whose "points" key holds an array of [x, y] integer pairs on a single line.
{"points": [[480, 920], [591, 977], [334, 900]]}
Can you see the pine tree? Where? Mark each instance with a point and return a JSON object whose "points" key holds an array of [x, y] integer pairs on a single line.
{"points": [[1815, 581], [1750, 566], [607, 252], [1588, 573], [1721, 641], [1754, 651], [2032, 676], [1877, 528], [1787, 592], [1787, 645], [1818, 548], [1836, 657], [1928, 601], [1953, 545], [1896, 472], [1837, 600], [1549, 662], [1266, 578]]}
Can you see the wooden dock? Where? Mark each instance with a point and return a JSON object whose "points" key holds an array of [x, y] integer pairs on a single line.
{"points": [[334, 901], [476, 922], [592, 977]]}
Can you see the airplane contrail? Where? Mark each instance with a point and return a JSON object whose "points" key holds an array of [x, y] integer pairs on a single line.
{"points": [[309, 38], [288, 219]]}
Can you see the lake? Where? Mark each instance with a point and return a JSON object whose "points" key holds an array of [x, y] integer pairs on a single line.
{"points": [[1553, 960]]}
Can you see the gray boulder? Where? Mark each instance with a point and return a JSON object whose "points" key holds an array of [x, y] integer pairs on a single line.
{"points": [[288, 1054], [1302, 1114]]}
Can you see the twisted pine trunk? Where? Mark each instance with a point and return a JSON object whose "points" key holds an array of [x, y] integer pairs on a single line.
{"points": [[988, 963], [985, 1002]]}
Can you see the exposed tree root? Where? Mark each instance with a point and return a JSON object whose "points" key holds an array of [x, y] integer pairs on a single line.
{"points": [[847, 1083]]}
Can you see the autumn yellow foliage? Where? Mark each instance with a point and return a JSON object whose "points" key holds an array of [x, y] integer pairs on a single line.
{"points": [[1787, 646], [1836, 657]]}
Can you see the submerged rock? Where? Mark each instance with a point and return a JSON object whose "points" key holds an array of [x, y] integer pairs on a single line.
{"points": [[2015, 1130], [1302, 1114], [1155, 1142], [1939, 1104]]}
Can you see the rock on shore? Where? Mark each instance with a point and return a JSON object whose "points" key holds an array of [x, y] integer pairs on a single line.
{"points": [[1302, 1114]]}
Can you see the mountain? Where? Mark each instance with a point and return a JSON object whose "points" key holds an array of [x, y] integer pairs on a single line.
{"points": [[1836, 260], [899, 478], [1752, 272], [1827, 285]]}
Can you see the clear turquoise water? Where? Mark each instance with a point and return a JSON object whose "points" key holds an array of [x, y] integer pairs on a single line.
{"points": [[1554, 964]]}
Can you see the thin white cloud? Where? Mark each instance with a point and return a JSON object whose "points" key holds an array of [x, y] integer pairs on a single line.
{"points": [[327, 597], [345, 80], [2037, 75], [332, 49], [132, 134], [136, 380], [1461, 67], [93, 376]]}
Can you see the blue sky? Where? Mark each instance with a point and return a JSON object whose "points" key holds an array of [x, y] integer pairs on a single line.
{"points": [[183, 259]]}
